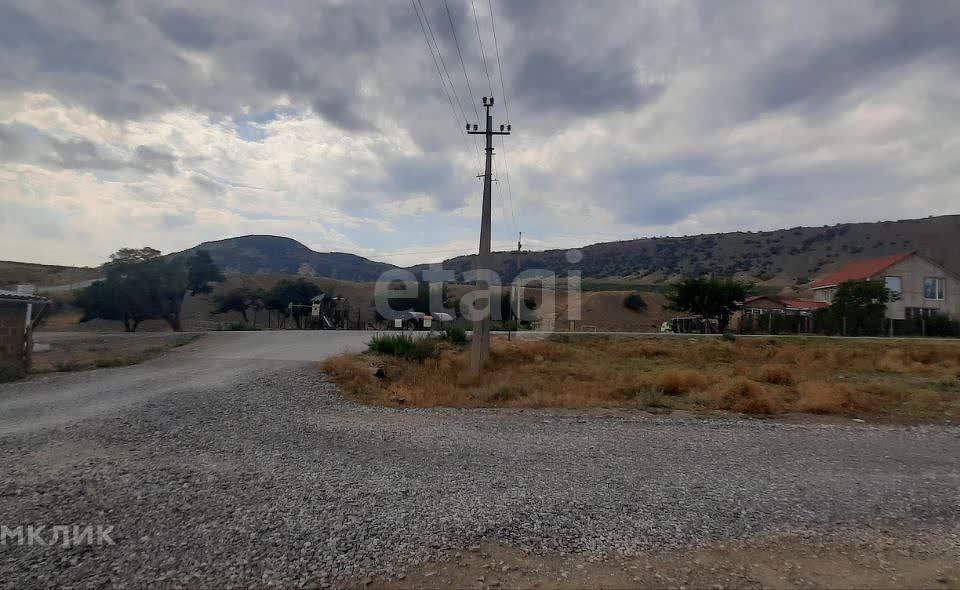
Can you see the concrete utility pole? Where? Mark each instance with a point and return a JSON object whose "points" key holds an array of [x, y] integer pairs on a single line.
{"points": [[480, 342], [517, 293]]}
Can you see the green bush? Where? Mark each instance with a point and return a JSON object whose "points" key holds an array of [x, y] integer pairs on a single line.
{"points": [[455, 335], [729, 336], [404, 346], [635, 302], [10, 371]]}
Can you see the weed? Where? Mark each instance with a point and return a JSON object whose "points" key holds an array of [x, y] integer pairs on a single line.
{"points": [[455, 335], [118, 361], [67, 366], [777, 374], [740, 394], [679, 381], [10, 371], [404, 346]]}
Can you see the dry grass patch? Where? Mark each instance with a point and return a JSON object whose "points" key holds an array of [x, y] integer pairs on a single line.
{"points": [[756, 376], [679, 381]]}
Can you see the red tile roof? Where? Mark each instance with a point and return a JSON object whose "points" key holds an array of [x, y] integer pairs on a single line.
{"points": [[858, 271], [805, 304]]}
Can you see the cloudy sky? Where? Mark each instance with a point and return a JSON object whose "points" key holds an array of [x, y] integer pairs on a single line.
{"points": [[164, 124]]}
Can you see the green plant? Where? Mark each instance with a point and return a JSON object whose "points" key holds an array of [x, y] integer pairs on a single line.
{"points": [[729, 336], [67, 366], [403, 346], [455, 335], [10, 371], [635, 302], [118, 361]]}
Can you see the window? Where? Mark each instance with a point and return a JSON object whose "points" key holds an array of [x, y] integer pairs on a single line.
{"points": [[933, 288], [921, 312], [894, 285]]}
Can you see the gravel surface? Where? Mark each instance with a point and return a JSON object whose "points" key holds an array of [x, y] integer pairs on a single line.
{"points": [[265, 474]]}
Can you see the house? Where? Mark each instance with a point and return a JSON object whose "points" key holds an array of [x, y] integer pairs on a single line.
{"points": [[797, 312], [18, 311], [922, 288]]}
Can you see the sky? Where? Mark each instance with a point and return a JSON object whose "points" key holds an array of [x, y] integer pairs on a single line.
{"points": [[168, 124]]}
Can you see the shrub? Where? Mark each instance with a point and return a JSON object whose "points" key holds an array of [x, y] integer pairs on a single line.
{"points": [[455, 335], [10, 371], [777, 375], [635, 302], [678, 381], [820, 397], [115, 362], [403, 346], [742, 395], [67, 366], [729, 336]]}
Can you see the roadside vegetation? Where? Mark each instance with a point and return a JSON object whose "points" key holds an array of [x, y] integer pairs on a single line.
{"points": [[104, 351], [140, 284], [899, 379]]}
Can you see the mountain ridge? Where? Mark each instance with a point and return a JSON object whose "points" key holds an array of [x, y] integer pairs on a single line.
{"points": [[790, 256]]}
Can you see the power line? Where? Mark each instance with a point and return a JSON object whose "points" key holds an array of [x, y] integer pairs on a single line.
{"points": [[496, 46], [456, 41], [482, 52], [443, 62], [506, 168], [436, 64]]}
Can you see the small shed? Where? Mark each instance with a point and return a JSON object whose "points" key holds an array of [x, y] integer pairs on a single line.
{"points": [[18, 312]]}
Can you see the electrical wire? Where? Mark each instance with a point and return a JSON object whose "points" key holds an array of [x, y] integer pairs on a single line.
{"points": [[496, 46], [443, 62], [456, 41], [483, 54], [436, 63]]}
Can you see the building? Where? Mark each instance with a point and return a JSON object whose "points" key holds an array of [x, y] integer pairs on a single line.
{"points": [[921, 287], [761, 310], [18, 311]]}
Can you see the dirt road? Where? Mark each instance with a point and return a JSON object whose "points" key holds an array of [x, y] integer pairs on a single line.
{"points": [[232, 462]]}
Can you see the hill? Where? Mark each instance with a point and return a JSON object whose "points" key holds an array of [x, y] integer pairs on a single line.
{"points": [[13, 273], [775, 258], [778, 257], [274, 254]]}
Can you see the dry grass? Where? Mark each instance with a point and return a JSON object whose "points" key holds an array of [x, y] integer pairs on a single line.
{"points": [[899, 379]]}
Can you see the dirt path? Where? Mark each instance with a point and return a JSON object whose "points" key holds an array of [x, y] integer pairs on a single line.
{"points": [[844, 557]]}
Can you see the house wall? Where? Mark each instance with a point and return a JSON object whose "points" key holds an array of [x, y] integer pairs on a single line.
{"points": [[824, 294], [13, 323], [763, 304], [912, 272]]}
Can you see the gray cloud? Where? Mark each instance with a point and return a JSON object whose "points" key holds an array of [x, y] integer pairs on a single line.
{"points": [[23, 143], [553, 82], [661, 115], [184, 27], [815, 75]]}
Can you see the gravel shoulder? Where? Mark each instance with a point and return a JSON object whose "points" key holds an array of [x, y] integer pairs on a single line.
{"points": [[232, 471]]}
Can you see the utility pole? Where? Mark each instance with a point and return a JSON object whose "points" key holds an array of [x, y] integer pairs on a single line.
{"points": [[480, 342], [518, 294]]}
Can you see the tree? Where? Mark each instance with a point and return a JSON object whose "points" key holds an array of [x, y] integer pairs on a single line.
{"points": [[708, 297], [859, 307], [295, 291], [241, 300], [125, 256], [201, 271], [635, 302], [141, 285]]}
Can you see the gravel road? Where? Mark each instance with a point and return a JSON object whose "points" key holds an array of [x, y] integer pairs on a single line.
{"points": [[233, 462]]}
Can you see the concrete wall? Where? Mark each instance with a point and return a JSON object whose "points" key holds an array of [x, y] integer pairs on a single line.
{"points": [[13, 322], [912, 273]]}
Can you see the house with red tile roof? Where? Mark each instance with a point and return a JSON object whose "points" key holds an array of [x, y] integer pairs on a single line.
{"points": [[762, 308], [922, 287]]}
